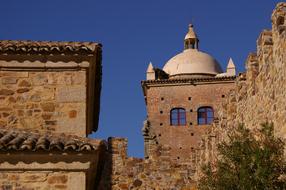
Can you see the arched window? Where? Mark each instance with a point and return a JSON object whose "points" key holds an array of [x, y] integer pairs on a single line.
{"points": [[205, 115], [178, 116]]}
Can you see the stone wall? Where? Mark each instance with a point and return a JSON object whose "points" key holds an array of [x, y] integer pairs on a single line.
{"points": [[50, 85], [41, 180], [260, 93], [47, 101], [156, 173], [258, 96]]}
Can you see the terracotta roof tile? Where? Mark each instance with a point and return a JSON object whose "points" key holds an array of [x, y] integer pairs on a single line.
{"points": [[21, 140], [47, 47]]}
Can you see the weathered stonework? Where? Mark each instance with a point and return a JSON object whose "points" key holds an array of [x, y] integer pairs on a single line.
{"points": [[49, 103], [48, 85], [253, 98], [159, 172], [34, 160], [44, 101], [42, 180], [260, 94], [50, 90]]}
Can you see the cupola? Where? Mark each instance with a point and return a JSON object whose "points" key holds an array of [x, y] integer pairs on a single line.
{"points": [[192, 62]]}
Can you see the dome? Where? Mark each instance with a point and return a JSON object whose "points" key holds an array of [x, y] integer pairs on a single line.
{"points": [[192, 61]]}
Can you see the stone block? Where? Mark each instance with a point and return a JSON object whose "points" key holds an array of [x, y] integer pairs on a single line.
{"points": [[6, 92], [35, 98], [72, 114], [9, 80], [14, 74], [23, 90], [71, 94], [58, 179], [24, 83], [48, 107], [39, 79], [34, 177], [79, 78]]}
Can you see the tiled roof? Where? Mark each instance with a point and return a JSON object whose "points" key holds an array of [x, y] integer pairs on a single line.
{"points": [[189, 80], [21, 140], [47, 47]]}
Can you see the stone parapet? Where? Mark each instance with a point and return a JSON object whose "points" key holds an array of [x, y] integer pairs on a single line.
{"points": [[259, 96], [157, 172]]}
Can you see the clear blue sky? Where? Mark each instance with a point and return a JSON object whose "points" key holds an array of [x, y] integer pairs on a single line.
{"points": [[133, 33]]}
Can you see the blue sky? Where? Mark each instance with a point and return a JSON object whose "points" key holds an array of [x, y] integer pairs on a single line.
{"points": [[133, 33]]}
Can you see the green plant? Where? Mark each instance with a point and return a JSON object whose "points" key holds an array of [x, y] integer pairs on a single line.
{"points": [[247, 160]]}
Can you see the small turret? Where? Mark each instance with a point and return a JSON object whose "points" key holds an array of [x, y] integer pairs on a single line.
{"points": [[150, 73], [230, 70]]}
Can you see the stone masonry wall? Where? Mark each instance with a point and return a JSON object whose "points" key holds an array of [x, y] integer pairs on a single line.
{"points": [[47, 101], [41, 180], [260, 94], [156, 173]]}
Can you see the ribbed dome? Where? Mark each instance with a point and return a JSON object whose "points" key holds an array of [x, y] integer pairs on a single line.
{"points": [[192, 62]]}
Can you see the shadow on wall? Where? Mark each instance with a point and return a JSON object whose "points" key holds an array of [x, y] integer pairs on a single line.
{"points": [[104, 180]]}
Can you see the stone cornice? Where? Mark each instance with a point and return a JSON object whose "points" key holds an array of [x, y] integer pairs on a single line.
{"points": [[188, 80], [185, 81]]}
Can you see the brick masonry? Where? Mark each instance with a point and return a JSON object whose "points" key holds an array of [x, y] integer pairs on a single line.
{"points": [[172, 150], [161, 99]]}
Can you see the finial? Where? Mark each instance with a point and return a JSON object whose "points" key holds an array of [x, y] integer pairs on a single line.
{"points": [[191, 39]]}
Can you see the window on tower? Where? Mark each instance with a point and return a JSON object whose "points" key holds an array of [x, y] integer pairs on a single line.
{"points": [[178, 116], [205, 115]]}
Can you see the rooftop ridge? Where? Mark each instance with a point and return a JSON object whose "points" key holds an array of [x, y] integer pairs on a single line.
{"points": [[52, 47], [33, 140]]}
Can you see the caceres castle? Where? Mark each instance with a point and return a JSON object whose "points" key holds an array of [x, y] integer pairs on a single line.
{"points": [[50, 102]]}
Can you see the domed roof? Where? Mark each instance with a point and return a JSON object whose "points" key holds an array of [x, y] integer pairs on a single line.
{"points": [[192, 61]]}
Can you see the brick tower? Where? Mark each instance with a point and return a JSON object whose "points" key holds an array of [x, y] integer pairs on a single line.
{"points": [[182, 99]]}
